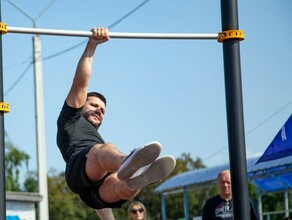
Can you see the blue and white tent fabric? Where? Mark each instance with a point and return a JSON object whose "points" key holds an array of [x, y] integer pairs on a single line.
{"points": [[270, 176], [281, 146], [271, 172]]}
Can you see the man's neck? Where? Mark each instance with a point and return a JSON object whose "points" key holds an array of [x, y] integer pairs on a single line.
{"points": [[226, 197]]}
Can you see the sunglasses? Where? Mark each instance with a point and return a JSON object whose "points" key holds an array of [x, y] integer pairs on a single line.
{"points": [[134, 211]]}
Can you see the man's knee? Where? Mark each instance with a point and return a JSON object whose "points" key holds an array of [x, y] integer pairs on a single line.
{"points": [[102, 147], [104, 157]]}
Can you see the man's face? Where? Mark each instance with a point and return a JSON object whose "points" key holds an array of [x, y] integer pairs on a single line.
{"points": [[93, 110], [224, 185]]}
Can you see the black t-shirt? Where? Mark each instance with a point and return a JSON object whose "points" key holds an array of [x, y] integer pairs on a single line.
{"points": [[218, 208], [74, 132]]}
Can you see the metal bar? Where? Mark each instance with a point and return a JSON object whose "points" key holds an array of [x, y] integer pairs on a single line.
{"points": [[260, 205], [2, 141], [74, 33], [164, 211], [234, 106], [286, 202]]}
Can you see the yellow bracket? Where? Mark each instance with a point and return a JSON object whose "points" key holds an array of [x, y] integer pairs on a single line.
{"points": [[231, 34], [4, 107], [3, 28]]}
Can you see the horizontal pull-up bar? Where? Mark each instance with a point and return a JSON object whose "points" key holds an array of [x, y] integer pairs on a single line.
{"points": [[73, 33]]}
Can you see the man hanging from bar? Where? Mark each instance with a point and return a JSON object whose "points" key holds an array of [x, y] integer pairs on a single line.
{"points": [[98, 172]]}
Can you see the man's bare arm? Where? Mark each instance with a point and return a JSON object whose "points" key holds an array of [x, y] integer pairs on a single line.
{"points": [[78, 92]]}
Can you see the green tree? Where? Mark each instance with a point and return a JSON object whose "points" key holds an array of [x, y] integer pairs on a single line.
{"points": [[186, 163], [273, 202], [64, 204], [14, 161], [175, 202], [31, 182]]}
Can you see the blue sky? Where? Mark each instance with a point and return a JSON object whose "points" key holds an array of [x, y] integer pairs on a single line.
{"points": [[171, 91]]}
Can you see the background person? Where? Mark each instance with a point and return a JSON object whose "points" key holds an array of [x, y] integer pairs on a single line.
{"points": [[221, 206], [137, 211]]}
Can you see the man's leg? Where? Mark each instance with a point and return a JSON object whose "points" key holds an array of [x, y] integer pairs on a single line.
{"points": [[112, 190], [105, 158], [105, 214], [102, 159]]}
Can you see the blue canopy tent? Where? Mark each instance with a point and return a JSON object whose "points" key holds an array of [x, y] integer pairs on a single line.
{"points": [[270, 176], [272, 172], [281, 146]]}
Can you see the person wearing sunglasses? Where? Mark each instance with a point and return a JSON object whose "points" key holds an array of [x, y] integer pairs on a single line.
{"points": [[137, 211]]}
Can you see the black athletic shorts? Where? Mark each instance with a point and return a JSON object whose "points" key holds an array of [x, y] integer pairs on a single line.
{"points": [[78, 182]]}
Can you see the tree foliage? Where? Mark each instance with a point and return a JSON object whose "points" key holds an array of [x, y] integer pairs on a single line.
{"points": [[63, 204], [15, 159], [31, 182]]}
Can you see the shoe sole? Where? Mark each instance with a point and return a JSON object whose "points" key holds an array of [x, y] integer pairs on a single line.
{"points": [[156, 172], [143, 157]]}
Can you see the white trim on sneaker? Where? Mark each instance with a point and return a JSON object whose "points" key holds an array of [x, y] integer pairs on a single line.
{"points": [[138, 158]]}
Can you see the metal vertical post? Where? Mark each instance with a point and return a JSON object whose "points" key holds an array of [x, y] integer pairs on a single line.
{"points": [[39, 102], [2, 143], [286, 202], [234, 106], [260, 205], [40, 130], [163, 200], [186, 204]]}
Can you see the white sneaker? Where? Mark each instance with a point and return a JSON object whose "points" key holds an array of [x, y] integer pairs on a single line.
{"points": [[154, 173], [139, 158]]}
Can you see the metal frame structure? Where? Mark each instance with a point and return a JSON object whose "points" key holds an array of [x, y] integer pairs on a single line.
{"points": [[233, 92]]}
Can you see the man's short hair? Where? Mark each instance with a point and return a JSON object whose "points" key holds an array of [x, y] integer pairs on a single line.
{"points": [[98, 95], [223, 172]]}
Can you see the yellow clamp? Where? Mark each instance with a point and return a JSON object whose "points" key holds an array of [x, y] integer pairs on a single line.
{"points": [[3, 28], [231, 34], [4, 107]]}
